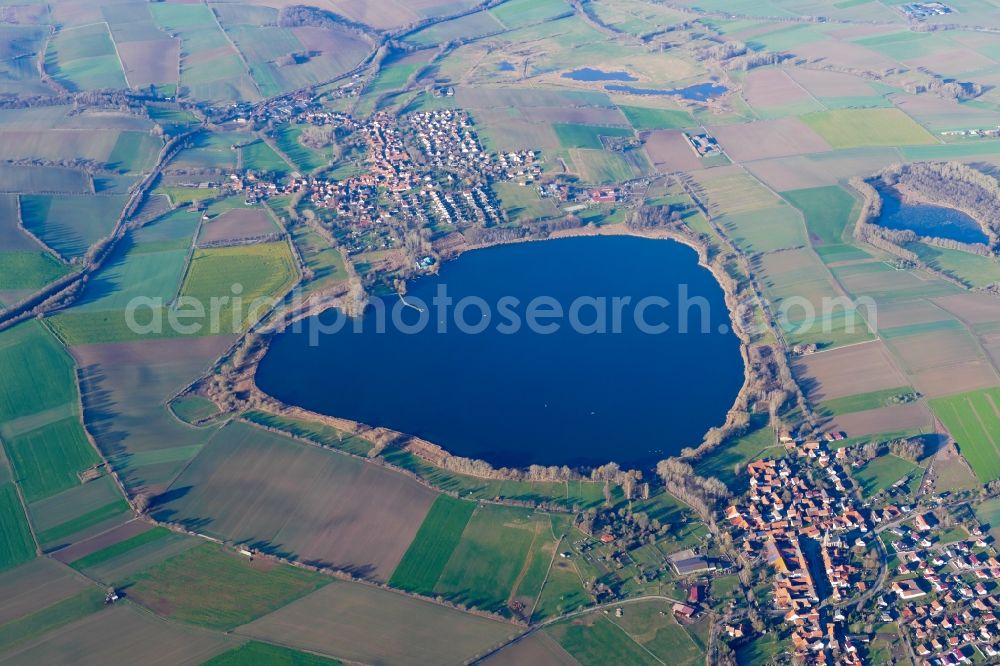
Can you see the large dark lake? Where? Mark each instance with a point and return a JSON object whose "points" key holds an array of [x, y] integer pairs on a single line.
{"points": [[516, 397]]}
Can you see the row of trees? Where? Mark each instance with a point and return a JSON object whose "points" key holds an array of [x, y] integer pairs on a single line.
{"points": [[866, 231], [700, 493]]}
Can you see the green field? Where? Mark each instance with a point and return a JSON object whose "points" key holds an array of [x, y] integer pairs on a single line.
{"points": [[651, 625], [827, 211], [126, 545], [320, 433], [173, 121], [563, 591], [723, 461], [326, 263], [47, 459], [71, 224], [437, 538], [29, 270], [193, 408], [497, 547], [601, 167], [573, 135], [851, 128], [218, 588], [645, 118], [36, 374], [882, 472], [260, 157], [989, 512], [182, 196], [522, 204], [84, 58], [863, 401], [305, 159], [519, 13], [595, 640], [973, 419], [255, 653], [83, 521], [973, 270], [16, 544], [259, 274], [40, 414]]}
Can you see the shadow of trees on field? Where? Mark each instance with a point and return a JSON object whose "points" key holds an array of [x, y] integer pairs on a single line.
{"points": [[100, 411]]}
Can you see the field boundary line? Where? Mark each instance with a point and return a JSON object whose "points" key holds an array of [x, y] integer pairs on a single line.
{"points": [[801, 87], [118, 55], [647, 650], [548, 571], [568, 616], [45, 246], [526, 565], [20, 498], [243, 59]]}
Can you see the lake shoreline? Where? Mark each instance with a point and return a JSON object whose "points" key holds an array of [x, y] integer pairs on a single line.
{"points": [[912, 197], [246, 388]]}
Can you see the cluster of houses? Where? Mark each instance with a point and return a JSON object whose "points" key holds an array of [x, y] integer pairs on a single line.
{"points": [[447, 139], [979, 132], [428, 167], [300, 106], [786, 519], [946, 596]]}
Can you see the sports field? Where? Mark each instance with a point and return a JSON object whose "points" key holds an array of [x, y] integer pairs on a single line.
{"points": [[973, 419]]}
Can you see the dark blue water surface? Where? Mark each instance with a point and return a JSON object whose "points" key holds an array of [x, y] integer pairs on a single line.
{"points": [[505, 66], [590, 74], [927, 220], [700, 92], [515, 399]]}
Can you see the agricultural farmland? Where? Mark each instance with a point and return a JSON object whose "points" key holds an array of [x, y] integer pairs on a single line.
{"points": [[437, 537], [215, 587], [332, 620], [973, 419], [492, 562], [84, 58], [324, 489], [643, 635], [148, 459]]}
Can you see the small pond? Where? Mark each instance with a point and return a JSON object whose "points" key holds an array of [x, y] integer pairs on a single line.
{"points": [[928, 220], [590, 74], [700, 92]]}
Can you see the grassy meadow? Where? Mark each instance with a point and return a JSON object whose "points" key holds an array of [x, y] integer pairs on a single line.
{"points": [[215, 587], [973, 419]]}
